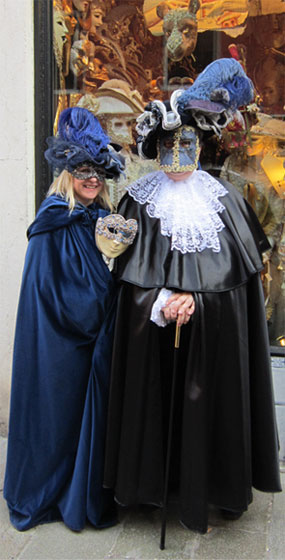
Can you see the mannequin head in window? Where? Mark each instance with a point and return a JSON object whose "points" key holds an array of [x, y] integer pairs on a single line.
{"points": [[97, 14], [120, 129], [60, 32], [271, 94]]}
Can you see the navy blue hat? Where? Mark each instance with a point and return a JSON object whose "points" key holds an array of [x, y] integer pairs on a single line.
{"points": [[208, 105], [81, 139]]}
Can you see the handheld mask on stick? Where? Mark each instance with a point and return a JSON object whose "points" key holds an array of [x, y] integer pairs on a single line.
{"points": [[114, 234]]}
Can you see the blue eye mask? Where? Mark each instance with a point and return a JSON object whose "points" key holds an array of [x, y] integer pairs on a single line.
{"points": [[179, 150]]}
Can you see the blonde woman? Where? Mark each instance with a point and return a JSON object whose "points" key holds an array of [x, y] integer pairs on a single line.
{"points": [[63, 342]]}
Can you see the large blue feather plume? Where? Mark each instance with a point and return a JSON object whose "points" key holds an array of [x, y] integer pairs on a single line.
{"points": [[79, 126], [223, 81], [80, 139]]}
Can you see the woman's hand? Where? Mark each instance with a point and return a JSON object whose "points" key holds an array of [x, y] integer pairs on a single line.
{"points": [[179, 307]]}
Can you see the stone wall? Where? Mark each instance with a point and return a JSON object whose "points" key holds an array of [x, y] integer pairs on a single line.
{"points": [[16, 170]]}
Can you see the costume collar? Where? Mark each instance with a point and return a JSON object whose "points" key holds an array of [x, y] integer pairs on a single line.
{"points": [[188, 210]]}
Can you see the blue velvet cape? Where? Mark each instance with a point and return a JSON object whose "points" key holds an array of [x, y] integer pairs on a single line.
{"points": [[60, 379]]}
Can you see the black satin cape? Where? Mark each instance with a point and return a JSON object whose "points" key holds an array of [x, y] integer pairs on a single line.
{"points": [[60, 378], [225, 439]]}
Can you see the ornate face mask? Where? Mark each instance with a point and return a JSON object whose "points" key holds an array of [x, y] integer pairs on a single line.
{"points": [[180, 29], [179, 150], [113, 234], [60, 32], [120, 129], [86, 171]]}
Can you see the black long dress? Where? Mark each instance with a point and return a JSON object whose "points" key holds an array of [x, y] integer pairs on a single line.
{"points": [[225, 439]]}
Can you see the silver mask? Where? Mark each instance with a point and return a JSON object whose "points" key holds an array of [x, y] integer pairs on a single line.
{"points": [[87, 171]]}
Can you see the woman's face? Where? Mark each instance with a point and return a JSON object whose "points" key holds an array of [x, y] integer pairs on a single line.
{"points": [[86, 190]]}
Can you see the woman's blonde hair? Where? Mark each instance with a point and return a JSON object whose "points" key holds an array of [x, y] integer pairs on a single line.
{"points": [[63, 186]]}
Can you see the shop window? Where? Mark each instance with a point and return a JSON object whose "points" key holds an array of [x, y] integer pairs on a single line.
{"points": [[114, 56]]}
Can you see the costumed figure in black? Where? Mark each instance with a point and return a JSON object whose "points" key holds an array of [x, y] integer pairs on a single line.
{"points": [[63, 341], [196, 261]]}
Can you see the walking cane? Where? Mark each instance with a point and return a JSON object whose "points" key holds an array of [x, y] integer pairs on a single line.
{"points": [[169, 440]]}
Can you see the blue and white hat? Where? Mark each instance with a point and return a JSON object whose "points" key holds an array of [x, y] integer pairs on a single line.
{"points": [[208, 105], [81, 139]]}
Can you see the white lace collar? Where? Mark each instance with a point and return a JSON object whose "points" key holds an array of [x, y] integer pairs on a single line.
{"points": [[188, 210]]}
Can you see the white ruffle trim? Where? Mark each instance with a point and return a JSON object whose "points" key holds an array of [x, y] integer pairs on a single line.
{"points": [[188, 210], [157, 316]]}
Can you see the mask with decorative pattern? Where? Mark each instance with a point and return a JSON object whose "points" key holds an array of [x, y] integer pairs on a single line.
{"points": [[114, 234], [179, 150]]}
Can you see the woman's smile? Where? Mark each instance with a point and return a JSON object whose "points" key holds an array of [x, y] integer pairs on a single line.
{"points": [[91, 186], [85, 191]]}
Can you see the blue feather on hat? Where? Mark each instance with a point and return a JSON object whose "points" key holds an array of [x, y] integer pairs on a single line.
{"points": [[209, 105], [223, 81], [80, 126], [81, 139]]}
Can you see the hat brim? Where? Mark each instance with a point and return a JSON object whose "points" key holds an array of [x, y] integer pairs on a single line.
{"points": [[205, 106]]}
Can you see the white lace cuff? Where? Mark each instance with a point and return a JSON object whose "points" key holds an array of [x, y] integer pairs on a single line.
{"points": [[157, 315]]}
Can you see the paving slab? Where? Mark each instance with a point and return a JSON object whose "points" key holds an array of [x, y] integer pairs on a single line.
{"points": [[55, 541], [140, 538], [243, 538], [257, 535], [12, 542], [230, 544]]}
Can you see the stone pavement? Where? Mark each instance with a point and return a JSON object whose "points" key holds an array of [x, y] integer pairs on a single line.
{"points": [[259, 534]]}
